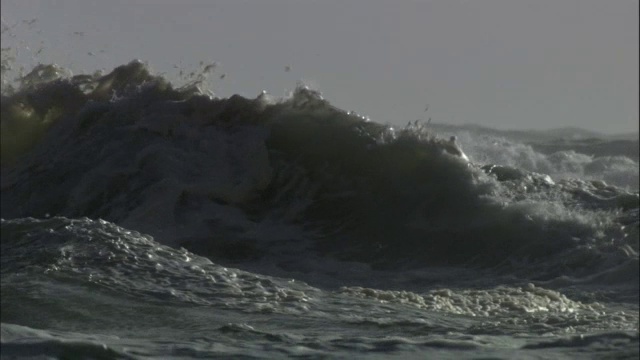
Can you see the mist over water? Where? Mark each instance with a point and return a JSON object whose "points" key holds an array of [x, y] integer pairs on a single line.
{"points": [[143, 217]]}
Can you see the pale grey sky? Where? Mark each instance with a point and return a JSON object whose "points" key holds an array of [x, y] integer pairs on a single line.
{"points": [[512, 64]]}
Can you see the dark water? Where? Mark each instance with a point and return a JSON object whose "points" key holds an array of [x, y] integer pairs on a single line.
{"points": [[144, 221]]}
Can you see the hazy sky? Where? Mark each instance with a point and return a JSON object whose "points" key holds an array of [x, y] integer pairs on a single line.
{"points": [[500, 63]]}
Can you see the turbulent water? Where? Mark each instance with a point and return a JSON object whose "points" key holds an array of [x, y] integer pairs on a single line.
{"points": [[141, 220]]}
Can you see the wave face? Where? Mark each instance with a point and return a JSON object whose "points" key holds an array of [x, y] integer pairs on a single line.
{"points": [[296, 188]]}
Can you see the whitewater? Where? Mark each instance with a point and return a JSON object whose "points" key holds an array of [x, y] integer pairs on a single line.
{"points": [[145, 220]]}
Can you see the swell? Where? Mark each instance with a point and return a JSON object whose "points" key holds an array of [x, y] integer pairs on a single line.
{"points": [[241, 179]]}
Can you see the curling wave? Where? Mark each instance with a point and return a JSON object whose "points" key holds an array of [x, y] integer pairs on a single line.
{"points": [[241, 179]]}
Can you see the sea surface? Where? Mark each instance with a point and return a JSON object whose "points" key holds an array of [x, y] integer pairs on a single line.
{"points": [[144, 220]]}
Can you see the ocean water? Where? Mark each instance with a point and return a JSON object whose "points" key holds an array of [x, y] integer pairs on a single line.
{"points": [[142, 220]]}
